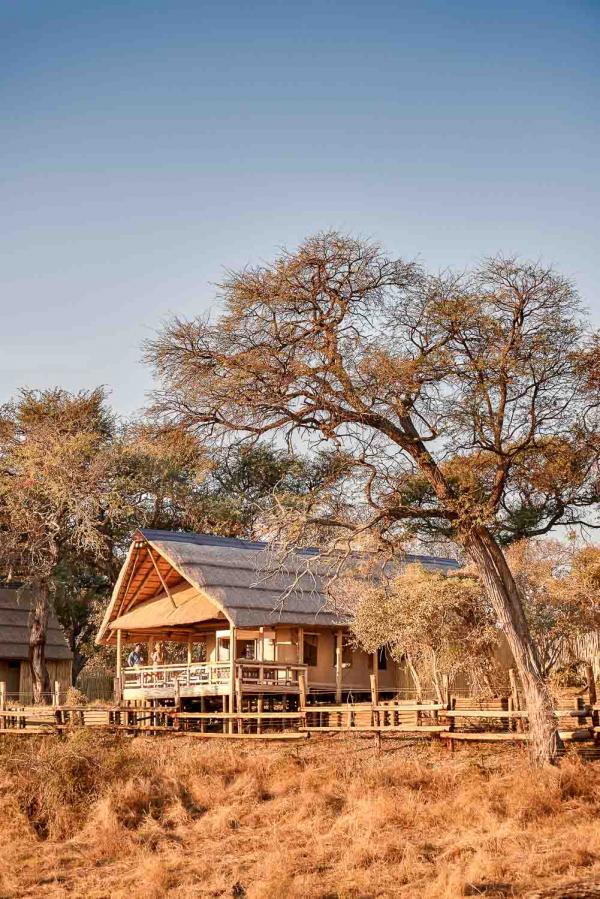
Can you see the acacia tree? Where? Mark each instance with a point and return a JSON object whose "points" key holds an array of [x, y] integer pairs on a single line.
{"points": [[56, 497], [440, 624], [459, 405]]}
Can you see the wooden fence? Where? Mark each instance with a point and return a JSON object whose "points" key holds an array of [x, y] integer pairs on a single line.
{"points": [[459, 719]]}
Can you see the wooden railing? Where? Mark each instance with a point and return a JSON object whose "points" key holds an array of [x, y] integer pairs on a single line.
{"points": [[269, 674], [263, 674], [146, 676]]}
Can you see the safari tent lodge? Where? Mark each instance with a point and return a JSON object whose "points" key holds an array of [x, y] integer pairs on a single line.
{"points": [[241, 635]]}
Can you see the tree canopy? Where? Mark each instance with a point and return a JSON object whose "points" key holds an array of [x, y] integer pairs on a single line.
{"points": [[457, 405]]}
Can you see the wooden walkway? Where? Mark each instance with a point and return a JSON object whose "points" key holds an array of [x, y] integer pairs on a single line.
{"points": [[460, 719]]}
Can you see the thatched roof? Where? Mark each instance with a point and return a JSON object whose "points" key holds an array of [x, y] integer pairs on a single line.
{"points": [[238, 576], [15, 605]]}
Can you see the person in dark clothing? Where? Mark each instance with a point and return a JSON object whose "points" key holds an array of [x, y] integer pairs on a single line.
{"points": [[136, 656]]}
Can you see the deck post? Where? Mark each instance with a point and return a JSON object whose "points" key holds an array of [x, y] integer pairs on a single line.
{"points": [[260, 705], [232, 654], [238, 703], [177, 685], [374, 679], [301, 646], [56, 694], [338, 665], [119, 652], [591, 682], [189, 651], [516, 702], [302, 688], [374, 694], [261, 644], [2, 696]]}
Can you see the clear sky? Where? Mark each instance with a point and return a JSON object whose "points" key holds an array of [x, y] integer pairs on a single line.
{"points": [[146, 146]]}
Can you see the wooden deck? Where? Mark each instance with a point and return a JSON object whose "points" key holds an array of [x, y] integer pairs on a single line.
{"points": [[210, 679]]}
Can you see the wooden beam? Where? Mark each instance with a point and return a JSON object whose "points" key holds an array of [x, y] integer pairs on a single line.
{"points": [[133, 571], [505, 736], [300, 645], [123, 609], [161, 578]]}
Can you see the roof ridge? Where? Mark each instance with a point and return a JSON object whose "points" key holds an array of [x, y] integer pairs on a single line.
{"points": [[200, 538]]}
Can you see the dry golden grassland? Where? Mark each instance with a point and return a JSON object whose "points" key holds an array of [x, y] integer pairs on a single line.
{"points": [[97, 815]]}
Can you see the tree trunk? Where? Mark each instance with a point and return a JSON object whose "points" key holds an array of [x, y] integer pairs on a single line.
{"points": [[415, 676], [506, 601], [38, 629]]}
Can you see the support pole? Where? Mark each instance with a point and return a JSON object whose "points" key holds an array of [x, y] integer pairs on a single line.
{"points": [[302, 688], [375, 676], [232, 654], [591, 680], [118, 687], [301, 646], [260, 705], [238, 702], [177, 703], [338, 665], [2, 696], [189, 651], [516, 701], [56, 694], [119, 652]]}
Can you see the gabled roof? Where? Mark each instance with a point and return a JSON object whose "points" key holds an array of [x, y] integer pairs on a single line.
{"points": [[236, 575], [15, 605]]}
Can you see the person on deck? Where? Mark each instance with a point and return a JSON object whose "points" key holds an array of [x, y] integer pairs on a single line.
{"points": [[158, 655], [136, 656]]}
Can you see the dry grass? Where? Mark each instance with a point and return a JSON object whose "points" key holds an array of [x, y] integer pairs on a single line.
{"points": [[102, 816]]}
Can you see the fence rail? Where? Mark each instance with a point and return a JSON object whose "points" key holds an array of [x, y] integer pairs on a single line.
{"points": [[427, 720]]}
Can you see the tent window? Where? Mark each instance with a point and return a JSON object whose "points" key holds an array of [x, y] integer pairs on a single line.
{"points": [[311, 646], [246, 649]]}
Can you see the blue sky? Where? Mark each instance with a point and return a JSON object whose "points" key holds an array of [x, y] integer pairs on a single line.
{"points": [[147, 146]]}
